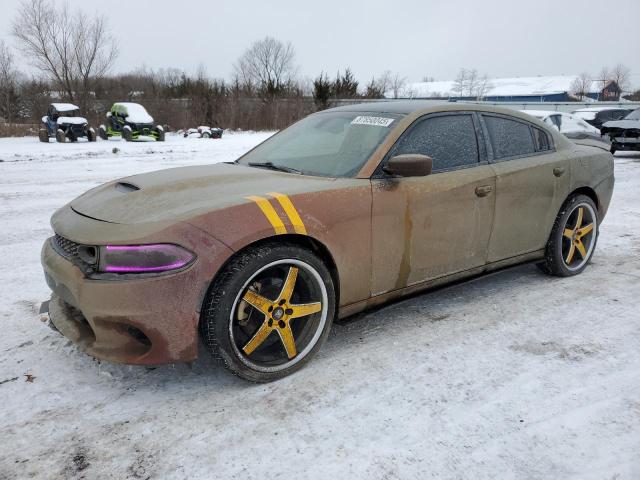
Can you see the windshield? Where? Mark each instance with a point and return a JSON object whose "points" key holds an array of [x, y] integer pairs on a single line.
{"points": [[634, 115], [585, 114], [328, 144]]}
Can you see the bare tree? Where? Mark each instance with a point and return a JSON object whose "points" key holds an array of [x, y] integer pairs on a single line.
{"points": [[483, 86], [73, 51], [397, 84], [581, 85], [8, 81], [268, 65], [384, 81], [459, 84], [603, 78], [620, 74], [471, 83]]}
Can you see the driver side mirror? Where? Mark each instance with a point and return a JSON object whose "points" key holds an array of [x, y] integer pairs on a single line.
{"points": [[409, 165]]}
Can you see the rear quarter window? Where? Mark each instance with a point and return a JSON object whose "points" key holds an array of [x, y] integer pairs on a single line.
{"points": [[541, 140], [509, 138]]}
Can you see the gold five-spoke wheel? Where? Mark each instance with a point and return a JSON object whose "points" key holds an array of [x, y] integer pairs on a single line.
{"points": [[579, 236], [278, 315]]}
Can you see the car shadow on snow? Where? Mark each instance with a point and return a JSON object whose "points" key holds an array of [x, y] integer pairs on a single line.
{"points": [[436, 305], [441, 304]]}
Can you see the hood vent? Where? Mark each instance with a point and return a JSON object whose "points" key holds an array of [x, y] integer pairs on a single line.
{"points": [[125, 187]]}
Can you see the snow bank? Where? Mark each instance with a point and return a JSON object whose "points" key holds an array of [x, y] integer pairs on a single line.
{"points": [[514, 375]]}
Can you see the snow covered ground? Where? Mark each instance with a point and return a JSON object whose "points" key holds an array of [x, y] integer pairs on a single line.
{"points": [[514, 375]]}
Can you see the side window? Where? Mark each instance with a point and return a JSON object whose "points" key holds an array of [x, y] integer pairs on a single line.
{"points": [[619, 114], [450, 140], [557, 121], [509, 138], [541, 140]]}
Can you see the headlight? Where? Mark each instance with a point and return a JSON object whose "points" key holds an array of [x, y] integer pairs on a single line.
{"points": [[157, 257]]}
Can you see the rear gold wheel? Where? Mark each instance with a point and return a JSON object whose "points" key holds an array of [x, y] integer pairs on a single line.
{"points": [[573, 238]]}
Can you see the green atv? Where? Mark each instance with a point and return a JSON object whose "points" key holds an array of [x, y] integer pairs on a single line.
{"points": [[131, 122]]}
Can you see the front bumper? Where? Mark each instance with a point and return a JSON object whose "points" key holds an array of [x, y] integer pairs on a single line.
{"points": [[632, 144], [146, 320]]}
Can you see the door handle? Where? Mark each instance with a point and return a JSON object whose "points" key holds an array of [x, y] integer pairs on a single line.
{"points": [[558, 171], [483, 190]]}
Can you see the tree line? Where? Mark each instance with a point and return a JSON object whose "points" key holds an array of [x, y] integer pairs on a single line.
{"points": [[73, 53]]}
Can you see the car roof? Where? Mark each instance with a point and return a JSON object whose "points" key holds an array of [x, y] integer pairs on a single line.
{"points": [[64, 107], [419, 107], [541, 113], [390, 106]]}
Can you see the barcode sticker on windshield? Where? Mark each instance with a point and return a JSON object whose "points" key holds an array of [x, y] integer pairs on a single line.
{"points": [[377, 121]]}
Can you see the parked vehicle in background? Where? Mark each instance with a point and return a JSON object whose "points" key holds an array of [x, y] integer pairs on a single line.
{"points": [[63, 121], [203, 132], [571, 126], [132, 122], [624, 134], [596, 116]]}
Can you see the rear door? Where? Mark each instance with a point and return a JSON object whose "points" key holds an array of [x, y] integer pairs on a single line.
{"points": [[428, 227], [532, 182]]}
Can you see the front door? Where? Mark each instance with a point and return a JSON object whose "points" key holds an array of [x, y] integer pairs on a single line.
{"points": [[432, 226]]}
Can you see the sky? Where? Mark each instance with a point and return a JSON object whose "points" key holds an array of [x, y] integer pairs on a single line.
{"points": [[415, 38]]}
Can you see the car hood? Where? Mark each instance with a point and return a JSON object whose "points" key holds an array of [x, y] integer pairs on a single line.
{"points": [[183, 193], [624, 124]]}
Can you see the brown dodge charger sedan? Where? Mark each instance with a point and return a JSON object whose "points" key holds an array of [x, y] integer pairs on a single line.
{"points": [[344, 210]]}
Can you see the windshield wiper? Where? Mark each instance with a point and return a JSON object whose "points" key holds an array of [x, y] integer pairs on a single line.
{"points": [[273, 166]]}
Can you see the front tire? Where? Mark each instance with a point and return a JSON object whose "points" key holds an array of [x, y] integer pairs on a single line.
{"points": [[60, 136], [91, 134], [127, 134], [573, 237], [269, 311]]}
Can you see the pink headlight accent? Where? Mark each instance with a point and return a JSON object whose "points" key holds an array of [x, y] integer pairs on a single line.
{"points": [[159, 257], [134, 269]]}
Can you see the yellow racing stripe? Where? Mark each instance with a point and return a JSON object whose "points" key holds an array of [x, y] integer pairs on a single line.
{"points": [[270, 213], [291, 212]]}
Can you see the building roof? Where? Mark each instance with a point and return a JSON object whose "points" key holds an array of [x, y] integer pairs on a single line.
{"points": [[498, 87]]}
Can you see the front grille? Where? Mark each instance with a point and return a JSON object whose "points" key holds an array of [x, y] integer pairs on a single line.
{"points": [[66, 247], [69, 250]]}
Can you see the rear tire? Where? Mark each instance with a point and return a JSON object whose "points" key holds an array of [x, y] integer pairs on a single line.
{"points": [[102, 132], [231, 326], [573, 238], [61, 137], [91, 135], [160, 133], [43, 135], [206, 135]]}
